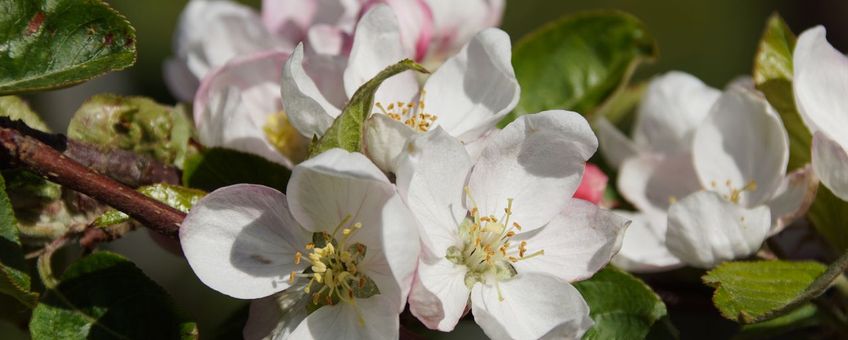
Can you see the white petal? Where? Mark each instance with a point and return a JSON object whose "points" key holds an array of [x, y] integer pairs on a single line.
{"points": [[742, 141], [439, 295], [652, 182], [830, 163], [391, 262], [384, 140], [210, 33], [537, 161], [241, 241], [793, 198], [338, 185], [456, 22], [234, 102], [578, 242], [705, 229], [416, 25], [673, 106], [309, 111], [533, 306], [644, 249], [328, 40], [615, 146], [340, 321], [820, 83], [276, 316], [179, 79], [377, 45], [473, 90], [431, 178]]}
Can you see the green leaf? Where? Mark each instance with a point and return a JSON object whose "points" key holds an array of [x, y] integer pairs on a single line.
{"points": [[579, 61], [804, 317], [750, 292], [178, 197], [104, 295], [622, 306], [218, 167], [17, 109], [346, 131], [773, 76], [136, 124], [59, 43], [14, 275]]}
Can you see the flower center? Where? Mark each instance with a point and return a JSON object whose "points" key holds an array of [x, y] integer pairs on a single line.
{"points": [[334, 276], [488, 249], [411, 114], [284, 137], [733, 194]]}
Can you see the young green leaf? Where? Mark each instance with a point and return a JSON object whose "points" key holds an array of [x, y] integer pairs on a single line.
{"points": [[14, 275], [17, 109], [806, 316], [178, 197], [53, 44], [622, 306], [773, 76], [346, 130], [218, 167], [579, 61], [104, 295], [750, 292], [136, 124]]}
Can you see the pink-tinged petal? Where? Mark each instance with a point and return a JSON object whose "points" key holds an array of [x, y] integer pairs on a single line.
{"points": [[377, 45], [533, 306], [210, 33], [241, 241], [473, 90], [830, 164], [820, 83], [705, 229], [416, 24], [456, 22], [615, 146], [644, 249], [311, 103], [392, 262], [328, 40], [431, 177], [537, 161], [742, 144], [338, 185], [341, 321], [593, 184], [439, 295], [289, 19], [276, 316], [653, 182], [792, 198], [233, 104], [578, 242], [672, 107]]}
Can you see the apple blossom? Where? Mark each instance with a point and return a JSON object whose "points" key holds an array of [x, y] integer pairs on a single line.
{"points": [[722, 198], [820, 81], [467, 96], [333, 259], [593, 184], [501, 231]]}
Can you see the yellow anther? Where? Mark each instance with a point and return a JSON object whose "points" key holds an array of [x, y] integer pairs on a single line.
{"points": [[297, 257]]}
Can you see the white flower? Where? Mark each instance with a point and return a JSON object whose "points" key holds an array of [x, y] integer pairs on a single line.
{"points": [[466, 96], [718, 196], [502, 231], [820, 84], [342, 241]]}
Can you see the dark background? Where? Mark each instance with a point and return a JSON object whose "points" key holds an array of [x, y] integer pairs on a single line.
{"points": [[714, 40]]}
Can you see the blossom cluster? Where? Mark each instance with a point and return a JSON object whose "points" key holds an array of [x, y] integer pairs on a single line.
{"points": [[440, 211]]}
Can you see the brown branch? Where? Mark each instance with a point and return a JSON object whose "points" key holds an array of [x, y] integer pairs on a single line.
{"points": [[123, 166], [46, 161]]}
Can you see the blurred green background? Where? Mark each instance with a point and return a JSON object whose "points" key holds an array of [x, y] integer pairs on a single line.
{"points": [[714, 40]]}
